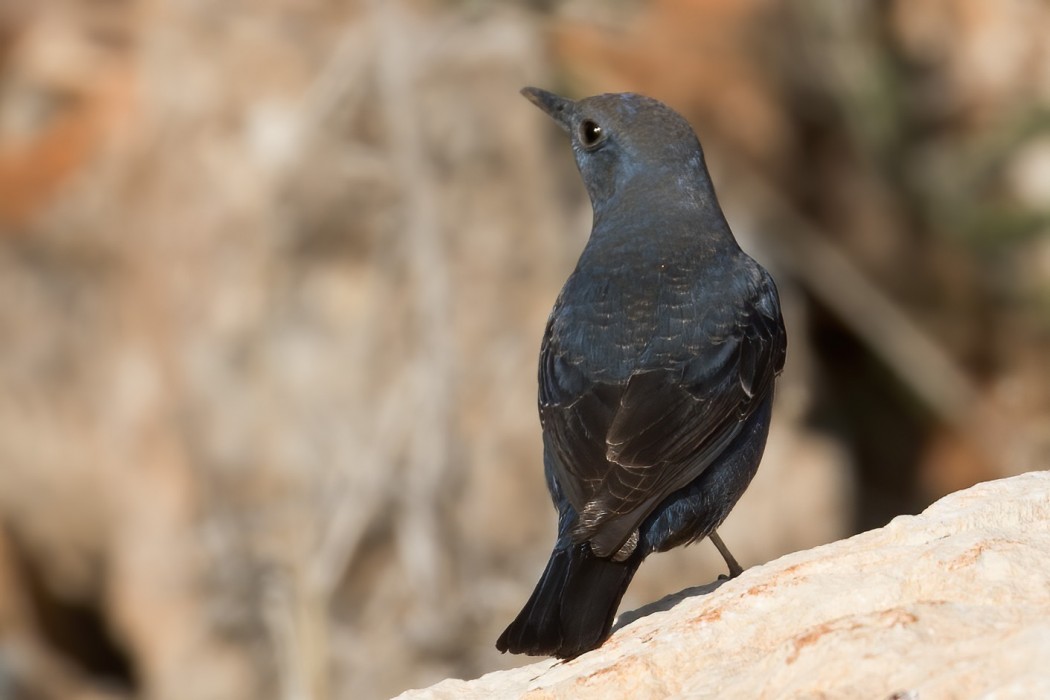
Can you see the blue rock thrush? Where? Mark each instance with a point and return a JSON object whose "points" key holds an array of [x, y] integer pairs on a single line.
{"points": [[656, 370]]}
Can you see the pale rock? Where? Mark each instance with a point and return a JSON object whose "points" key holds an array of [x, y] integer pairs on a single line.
{"points": [[952, 603]]}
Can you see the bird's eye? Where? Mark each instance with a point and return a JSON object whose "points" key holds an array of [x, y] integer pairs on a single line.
{"points": [[590, 132]]}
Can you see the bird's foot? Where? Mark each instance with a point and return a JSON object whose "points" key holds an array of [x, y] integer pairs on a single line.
{"points": [[734, 567]]}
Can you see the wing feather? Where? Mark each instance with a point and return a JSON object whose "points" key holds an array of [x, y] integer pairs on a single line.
{"points": [[621, 449]]}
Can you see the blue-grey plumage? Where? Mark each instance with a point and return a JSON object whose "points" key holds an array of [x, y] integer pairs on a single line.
{"points": [[656, 370]]}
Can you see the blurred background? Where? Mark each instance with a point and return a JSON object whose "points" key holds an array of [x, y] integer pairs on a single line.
{"points": [[273, 277]]}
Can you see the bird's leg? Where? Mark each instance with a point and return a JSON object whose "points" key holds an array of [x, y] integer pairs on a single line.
{"points": [[734, 568]]}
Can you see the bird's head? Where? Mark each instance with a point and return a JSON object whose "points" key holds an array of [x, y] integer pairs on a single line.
{"points": [[626, 141]]}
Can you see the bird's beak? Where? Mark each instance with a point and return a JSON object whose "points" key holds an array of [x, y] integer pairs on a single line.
{"points": [[560, 109]]}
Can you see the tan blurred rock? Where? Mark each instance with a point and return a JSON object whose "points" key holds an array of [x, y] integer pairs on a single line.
{"points": [[68, 88], [950, 603], [984, 53], [685, 51]]}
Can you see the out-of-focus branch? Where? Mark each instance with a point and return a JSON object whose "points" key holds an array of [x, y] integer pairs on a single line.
{"points": [[401, 462], [828, 273], [428, 449]]}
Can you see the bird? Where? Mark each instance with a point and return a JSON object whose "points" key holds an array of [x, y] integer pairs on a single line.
{"points": [[656, 370]]}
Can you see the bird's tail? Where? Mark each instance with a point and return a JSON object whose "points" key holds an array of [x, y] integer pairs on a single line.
{"points": [[572, 609]]}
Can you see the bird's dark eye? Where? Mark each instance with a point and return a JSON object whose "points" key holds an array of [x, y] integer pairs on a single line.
{"points": [[590, 132]]}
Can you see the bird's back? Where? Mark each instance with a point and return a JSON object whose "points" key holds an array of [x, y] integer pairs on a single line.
{"points": [[649, 296]]}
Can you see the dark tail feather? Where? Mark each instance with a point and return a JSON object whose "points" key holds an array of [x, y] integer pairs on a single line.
{"points": [[572, 609]]}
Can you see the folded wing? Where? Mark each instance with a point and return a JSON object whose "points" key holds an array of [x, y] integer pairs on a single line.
{"points": [[621, 449]]}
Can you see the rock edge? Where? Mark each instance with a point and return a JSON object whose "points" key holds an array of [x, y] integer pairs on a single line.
{"points": [[951, 603]]}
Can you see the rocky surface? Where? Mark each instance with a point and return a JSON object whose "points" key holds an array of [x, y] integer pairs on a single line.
{"points": [[952, 603]]}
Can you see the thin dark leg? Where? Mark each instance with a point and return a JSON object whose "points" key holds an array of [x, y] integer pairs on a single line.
{"points": [[734, 568]]}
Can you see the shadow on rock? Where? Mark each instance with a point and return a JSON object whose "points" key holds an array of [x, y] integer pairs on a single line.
{"points": [[666, 603]]}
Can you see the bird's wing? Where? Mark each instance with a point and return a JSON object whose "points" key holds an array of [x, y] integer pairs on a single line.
{"points": [[620, 450]]}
